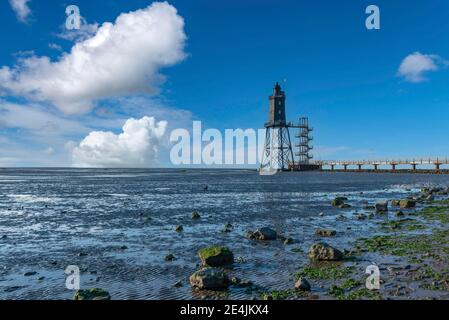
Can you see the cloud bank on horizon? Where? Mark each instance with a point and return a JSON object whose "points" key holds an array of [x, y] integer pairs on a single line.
{"points": [[137, 146]]}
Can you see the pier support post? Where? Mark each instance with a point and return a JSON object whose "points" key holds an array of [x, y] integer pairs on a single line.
{"points": [[414, 166], [332, 167], [360, 167], [375, 167], [437, 166], [345, 166], [393, 166]]}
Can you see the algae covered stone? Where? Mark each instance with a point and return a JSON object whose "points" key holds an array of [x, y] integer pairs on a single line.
{"points": [[338, 201], [216, 256], [407, 204], [92, 294], [321, 251], [209, 278]]}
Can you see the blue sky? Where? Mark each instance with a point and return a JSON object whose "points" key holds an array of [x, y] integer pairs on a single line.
{"points": [[339, 74]]}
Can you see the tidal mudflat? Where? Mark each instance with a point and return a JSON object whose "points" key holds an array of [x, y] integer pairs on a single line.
{"points": [[137, 234]]}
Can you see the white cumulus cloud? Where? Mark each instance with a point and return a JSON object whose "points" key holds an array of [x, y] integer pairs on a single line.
{"points": [[121, 59], [21, 9], [415, 66], [137, 146]]}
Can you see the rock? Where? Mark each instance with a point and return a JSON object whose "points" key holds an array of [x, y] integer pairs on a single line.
{"points": [[241, 283], [82, 254], [382, 206], [399, 214], [344, 206], [361, 217], [41, 279], [321, 214], [227, 227], [216, 256], [195, 215], [341, 217], [179, 229], [325, 232], [321, 251], [169, 257], [302, 284], [92, 294], [178, 284], [395, 203], [123, 248], [288, 241], [209, 278], [430, 197], [30, 273], [369, 207], [263, 234], [338, 201], [407, 204]]}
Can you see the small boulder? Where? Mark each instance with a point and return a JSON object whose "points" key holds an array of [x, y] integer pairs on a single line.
{"points": [[227, 227], [288, 241], [302, 284], [216, 256], [338, 201], [407, 204], [382, 206], [361, 217], [92, 294], [169, 257], [179, 228], [344, 206], [323, 252], [263, 234], [395, 203], [195, 215], [325, 232], [209, 278], [399, 214]]}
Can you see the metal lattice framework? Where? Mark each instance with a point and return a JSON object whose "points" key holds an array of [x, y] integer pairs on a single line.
{"points": [[304, 141], [278, 152]]}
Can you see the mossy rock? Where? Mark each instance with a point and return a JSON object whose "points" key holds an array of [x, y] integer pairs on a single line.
{"points": [[92, 294], [216, 256], [338, 201], [407, 204]]}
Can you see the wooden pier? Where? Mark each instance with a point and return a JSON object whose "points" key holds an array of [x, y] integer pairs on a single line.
{"points": [[375, 165]]}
